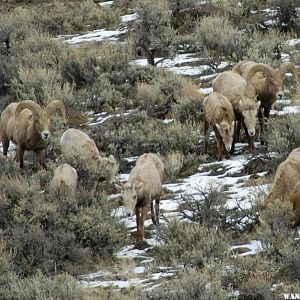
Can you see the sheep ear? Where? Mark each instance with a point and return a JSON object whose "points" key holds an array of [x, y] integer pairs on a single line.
{"points": [[258, 104], [111, 159], [219, 127], [139, 186], [118, 187]]}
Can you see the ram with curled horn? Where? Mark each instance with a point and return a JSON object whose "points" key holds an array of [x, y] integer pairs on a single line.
{"points": [[27, 125], [268, 83]]}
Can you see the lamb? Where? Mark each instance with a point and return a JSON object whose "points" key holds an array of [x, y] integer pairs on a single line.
{"points": [[242, 96], [219, 114], [267, 87], [78, 145], [27, 125], [64, 181], [142, 188], [286, 185]]}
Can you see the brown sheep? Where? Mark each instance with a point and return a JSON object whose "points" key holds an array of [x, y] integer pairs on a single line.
{"points": [[78, 145], [27, 125], [64, 181], [242, 96], [268, 85], [142, 188], [219, 114], [286, 185]]}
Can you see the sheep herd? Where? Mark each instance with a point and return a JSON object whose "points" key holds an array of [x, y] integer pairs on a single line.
{"points": [[28, 126], [240, 97], [251, 88]]}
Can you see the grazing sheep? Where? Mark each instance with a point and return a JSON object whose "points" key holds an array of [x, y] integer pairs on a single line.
{"points": [[268, 86], [158, 163], [78, 145], [64, 181], [242, 96], [142, 188], [219, 114], [27, 125], [286, 185]]}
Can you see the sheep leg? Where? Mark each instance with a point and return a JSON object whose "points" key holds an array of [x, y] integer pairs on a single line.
{"points": [[219, 144], [238, 131], [138, 224], [249, 138], [143, 218], [5, 145], [234, 137], [153, 214], [40, 157], [265, 119], [20, 155], [261, 125], [141, 214], [157, 210], [296, 207], [207, 131]]}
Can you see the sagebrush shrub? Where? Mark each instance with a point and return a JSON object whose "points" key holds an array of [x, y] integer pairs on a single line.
{"points": [[220, 38], [190, 284], [59, 234], [251, 275], [283, 135], [190, 244], [173, 163]]}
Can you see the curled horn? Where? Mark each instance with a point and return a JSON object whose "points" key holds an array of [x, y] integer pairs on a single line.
{"points": [[269, 72], [57, 106], [33, 106], [237, 67], [289, 66]]}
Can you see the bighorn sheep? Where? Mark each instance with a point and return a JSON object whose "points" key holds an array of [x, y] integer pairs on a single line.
{"points": [[64, 181], [27, 125], [219, 114], [242, 96], [143, 186], [268, 85], [286, 185], [79, 146]]}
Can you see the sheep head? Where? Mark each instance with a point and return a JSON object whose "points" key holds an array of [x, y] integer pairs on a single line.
{"points": [[274, 80], [41, 124], [249, 110], [57, 106], [107, 166], [226, 132], [40, 119], [130, 193]]}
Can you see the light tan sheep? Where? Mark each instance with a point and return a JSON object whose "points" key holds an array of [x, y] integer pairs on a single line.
{"points": [[157, 161], [268, 85], [79, 146], [64, 181], [27, 125], [286, 185], [243, 98], [219, 114], [142, 188]]}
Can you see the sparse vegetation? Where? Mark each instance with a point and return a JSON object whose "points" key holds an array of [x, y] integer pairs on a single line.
{"points": [[47, 243]]}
